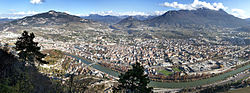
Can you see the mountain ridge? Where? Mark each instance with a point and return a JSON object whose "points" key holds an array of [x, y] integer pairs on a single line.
{"points": [[248, 19], [52, 19], [201, 16], [5, 20], [49, 18], [109, 19]]}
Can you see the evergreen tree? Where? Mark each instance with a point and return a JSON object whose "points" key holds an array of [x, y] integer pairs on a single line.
{"points": [[28, 49], [6, 48], [134, 81]]}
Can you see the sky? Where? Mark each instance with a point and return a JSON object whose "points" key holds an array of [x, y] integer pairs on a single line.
{"points": [[22, 8]]}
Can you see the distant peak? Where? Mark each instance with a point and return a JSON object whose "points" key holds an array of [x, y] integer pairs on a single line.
{"points": [[222, 10], [207, 9], [131, 17], [203, 8], [52, 11], [94, 15]]}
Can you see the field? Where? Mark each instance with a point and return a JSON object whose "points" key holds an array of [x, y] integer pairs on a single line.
{"points": [[53, 56], [176, 69], [165, 72]]}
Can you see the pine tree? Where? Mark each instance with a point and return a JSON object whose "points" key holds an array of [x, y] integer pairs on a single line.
{"points": [[134, 81], [28, 49]]}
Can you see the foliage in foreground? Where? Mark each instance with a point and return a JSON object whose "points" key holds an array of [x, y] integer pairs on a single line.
{"points": [[134, 81], [28, 49]]}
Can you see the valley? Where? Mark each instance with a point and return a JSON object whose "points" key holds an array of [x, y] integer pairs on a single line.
{"points": [[173, 52]]}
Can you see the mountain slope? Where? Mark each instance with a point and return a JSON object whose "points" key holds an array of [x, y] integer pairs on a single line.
{"points": [[248, 19], [129, 22], [139, 17], [49, 18], [18, 78], [5, 20], [110, 19], [52, 19], [104, 19], [200, 16]]}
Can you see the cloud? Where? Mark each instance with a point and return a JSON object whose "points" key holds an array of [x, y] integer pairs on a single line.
{"points": [[16, 15], [239, 13], [159, 12], [134, 13], [196, 4], [25, 13], [213, 6], [130, 13], [10, 17], [36, 1], [103, 13]]}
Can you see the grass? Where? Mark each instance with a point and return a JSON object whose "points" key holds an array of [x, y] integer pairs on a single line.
{"points": [[7, 89], [242, 90], [54, 56], [165, 72], [176, 69]]}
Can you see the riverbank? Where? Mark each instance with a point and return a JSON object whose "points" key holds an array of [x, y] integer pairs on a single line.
{"points": [[171, 84], [194, 77], [241, 90], [198, 82]]}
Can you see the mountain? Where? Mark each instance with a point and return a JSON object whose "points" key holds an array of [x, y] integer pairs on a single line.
{"points": [[182, 24], [201, 16], [129, 22], [104, 19], [5, 20], [244, 29], [248, 19], [109, 19], [49, 18], [53, 21], [141, 17]]}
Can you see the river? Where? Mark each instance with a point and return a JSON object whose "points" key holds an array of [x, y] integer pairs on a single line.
{"points": [[171, 84]]}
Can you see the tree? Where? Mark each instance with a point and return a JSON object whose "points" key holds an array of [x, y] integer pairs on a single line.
{"points": [[134, 81], [13, 78], [28, 49], [6, 48]]}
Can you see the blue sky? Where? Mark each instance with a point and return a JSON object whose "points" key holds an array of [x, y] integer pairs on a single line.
{"points": [[21, 8]]}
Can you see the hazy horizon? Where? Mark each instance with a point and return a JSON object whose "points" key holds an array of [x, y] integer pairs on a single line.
{"points": [[23, 8]]}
